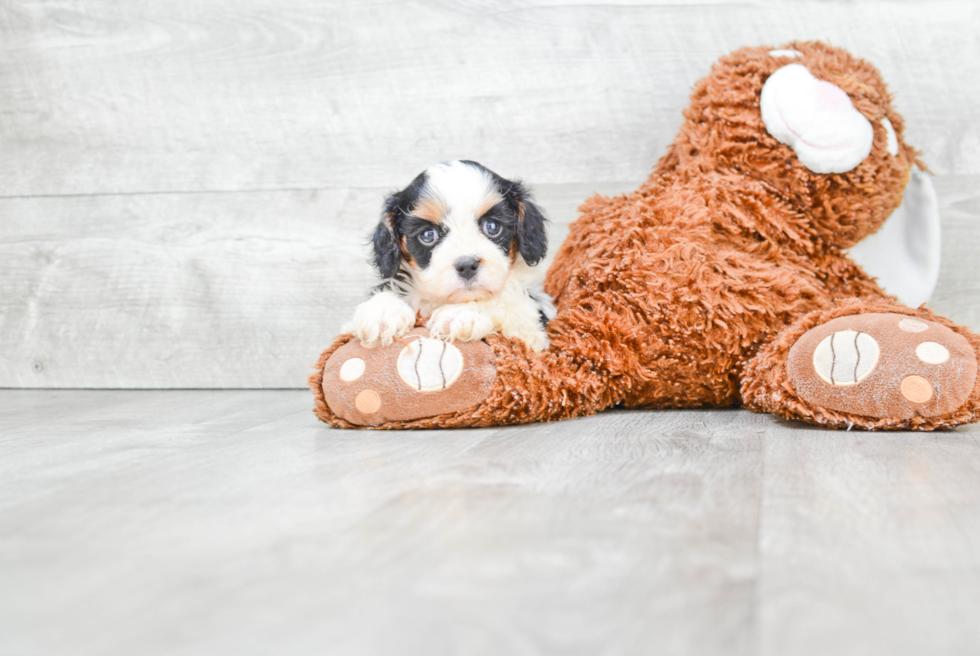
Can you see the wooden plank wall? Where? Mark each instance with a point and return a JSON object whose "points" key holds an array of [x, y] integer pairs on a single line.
{"points": [[186, 186]]}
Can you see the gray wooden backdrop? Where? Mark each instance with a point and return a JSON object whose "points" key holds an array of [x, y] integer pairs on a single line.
{"points": [[186, 186]]}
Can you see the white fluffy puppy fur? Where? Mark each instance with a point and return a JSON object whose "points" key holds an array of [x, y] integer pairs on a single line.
{"points": [[458, 244]]}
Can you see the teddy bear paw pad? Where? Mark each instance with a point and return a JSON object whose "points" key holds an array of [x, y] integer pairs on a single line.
{"points": [[884, 366], [428, 364], [414, 377]]}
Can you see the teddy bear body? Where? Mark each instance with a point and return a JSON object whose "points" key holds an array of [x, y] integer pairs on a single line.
{"points": [[681, 273]]}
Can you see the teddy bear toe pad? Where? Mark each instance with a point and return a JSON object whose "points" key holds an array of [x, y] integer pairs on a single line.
{"points": [[414, 377], [884, 366]]}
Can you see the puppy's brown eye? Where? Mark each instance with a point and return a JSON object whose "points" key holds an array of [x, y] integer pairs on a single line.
{"points": [[429, 236], [491, 228]]}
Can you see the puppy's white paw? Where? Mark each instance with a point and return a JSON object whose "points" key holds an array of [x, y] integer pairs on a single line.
{"points": [[381, 319], [460, 322], [536, 340]]}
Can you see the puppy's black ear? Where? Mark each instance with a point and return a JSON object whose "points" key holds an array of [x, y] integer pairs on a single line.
{"points": [[387, 252], [532, 235]]}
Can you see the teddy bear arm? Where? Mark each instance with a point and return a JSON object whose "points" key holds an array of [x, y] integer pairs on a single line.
{"points": [[422, 382]]}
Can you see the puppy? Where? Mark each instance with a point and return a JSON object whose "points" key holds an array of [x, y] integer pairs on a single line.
{"points": [[458, 244]]}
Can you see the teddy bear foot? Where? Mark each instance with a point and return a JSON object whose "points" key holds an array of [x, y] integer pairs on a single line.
{"points": [[884, 366], [413, 378]]}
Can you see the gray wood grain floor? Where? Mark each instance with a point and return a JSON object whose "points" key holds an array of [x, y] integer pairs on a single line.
{"points": [[193, 522]]}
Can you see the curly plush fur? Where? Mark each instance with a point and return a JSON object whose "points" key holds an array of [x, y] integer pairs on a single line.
{"points": [[689, 291]]}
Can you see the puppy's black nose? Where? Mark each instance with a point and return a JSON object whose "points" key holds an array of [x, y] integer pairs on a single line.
{"points": [[466, 267]]}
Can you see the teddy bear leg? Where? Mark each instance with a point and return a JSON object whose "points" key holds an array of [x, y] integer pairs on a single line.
{"points": [[870, 364]]}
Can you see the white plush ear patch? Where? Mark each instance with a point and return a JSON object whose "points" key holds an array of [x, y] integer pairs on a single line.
{"points": [[816, 119], [891, 139], [905, 254]]}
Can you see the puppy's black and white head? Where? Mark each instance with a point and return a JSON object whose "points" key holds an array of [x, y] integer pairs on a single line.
{"points": [[455, 234]]}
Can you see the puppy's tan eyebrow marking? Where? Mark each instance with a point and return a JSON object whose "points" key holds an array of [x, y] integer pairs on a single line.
{"points": [[487, 203], [431, 209]]}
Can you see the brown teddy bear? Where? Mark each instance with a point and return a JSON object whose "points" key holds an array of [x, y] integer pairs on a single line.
{"points": [[723, 280]]}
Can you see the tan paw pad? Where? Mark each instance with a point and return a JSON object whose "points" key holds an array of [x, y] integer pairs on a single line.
{"points": [[916, 389], [413, 378], [883, 366], [367, 402]]}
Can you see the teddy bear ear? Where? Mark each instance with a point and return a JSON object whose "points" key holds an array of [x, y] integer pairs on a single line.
{"points": [[816, 119]]}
